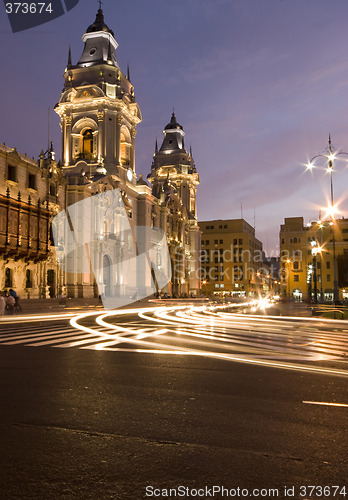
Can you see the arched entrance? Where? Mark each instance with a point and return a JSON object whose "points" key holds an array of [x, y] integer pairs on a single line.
{"points": [[51, 283], [297, 295], [107, 275]]}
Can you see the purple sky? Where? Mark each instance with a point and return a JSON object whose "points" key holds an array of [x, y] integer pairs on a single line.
{"points": [[257, 85]]}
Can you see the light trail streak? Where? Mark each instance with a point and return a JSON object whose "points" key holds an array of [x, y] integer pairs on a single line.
{"points": [[320, 403], [214, 334], [34, 318]]}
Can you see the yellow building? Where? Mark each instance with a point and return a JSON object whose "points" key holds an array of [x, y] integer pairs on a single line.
{"points": [[232, 260], [307, 258]]}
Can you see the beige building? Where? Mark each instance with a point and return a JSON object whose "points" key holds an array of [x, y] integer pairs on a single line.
{"points": [[99, 116], [232, 260], [307, 258], [31, 193]]}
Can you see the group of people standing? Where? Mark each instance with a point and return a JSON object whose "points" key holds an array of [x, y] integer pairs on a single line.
{"points": [[9, 302]]}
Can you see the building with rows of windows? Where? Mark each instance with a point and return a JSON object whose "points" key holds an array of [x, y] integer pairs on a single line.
{"points": [[232, 259], [307, 259]]}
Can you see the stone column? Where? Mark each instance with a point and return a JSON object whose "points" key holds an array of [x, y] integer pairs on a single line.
{"points": [[67, 141], [118, 138], [101, 134], [132, 151]]}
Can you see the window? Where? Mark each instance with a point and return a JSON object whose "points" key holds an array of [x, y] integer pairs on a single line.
{"points": [[295, 240], [87, 144], [318, 265], [240, 241], [32, 181], [215, 242], [296, 266], [221, 269], [12, 173], [328, 277], [28, 279], [327, 265], [8, 278], [296, 277], [220, 227], [207, 242], [235, 241], [221, 242], [216, 260], [53, 191], [221, 277]]}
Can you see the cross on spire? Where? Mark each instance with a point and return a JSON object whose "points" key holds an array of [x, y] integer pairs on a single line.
{"points": [[100, 4]]}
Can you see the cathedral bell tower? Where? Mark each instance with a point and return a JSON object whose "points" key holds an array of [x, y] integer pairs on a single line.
{"points": [[174, 180], [97, 109], [174, 166]]}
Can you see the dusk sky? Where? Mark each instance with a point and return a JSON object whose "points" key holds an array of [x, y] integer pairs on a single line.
{"points": [[258, 85]]}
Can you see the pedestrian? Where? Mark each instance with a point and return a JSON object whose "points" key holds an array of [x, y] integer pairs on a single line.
{"points": [[10, 302], [17, 306], [2, 304]]}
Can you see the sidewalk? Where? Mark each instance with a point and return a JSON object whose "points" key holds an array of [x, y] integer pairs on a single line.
{"points": [[47, 306]]}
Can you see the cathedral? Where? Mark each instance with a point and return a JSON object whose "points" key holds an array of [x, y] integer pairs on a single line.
{"points": [[99, 116]]}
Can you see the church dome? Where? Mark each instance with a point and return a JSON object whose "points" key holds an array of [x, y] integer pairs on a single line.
{"points": [[173, 124], [99, 24]]}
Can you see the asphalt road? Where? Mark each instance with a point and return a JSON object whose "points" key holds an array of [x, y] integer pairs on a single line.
{"points": [[106, 422]]}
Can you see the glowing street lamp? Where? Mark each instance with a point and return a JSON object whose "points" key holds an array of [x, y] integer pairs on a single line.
{"points": [[330, 156]]}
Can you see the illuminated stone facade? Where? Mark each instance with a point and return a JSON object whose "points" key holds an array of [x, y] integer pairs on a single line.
{"points": [[31, 193], [98, 117], [174, 182]]}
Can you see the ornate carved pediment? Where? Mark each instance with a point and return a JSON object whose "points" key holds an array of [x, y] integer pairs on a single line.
{"points": [[91, 91]]}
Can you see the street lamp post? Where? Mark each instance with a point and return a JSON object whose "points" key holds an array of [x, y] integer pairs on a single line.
{"points": [[330, 155]]}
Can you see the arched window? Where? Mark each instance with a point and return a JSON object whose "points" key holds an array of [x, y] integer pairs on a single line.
{"points": [[53, 191], [8, 278], [28, 279], [87, 144], [125, 147]]}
